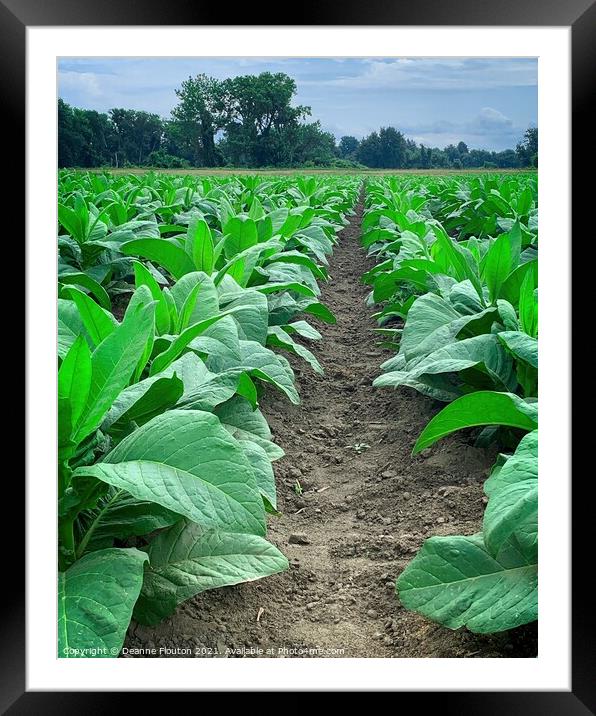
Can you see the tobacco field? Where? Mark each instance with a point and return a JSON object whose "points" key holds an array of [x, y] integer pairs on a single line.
{"points": [[297, 413]]}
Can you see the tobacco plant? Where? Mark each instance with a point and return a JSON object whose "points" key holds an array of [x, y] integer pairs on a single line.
{"points": [[457, 280]]}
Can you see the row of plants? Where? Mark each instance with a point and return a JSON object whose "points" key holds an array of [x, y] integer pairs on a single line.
{"points": [[165, 460], [456, 277]]}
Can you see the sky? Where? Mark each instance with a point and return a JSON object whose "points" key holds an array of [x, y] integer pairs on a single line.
{"points": [[486, 102]]}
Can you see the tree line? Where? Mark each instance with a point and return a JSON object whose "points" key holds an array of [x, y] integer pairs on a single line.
{"points": [[250, 121]]}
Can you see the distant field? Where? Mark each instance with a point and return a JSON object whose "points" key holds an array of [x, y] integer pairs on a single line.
{"points": [[310, 171]]}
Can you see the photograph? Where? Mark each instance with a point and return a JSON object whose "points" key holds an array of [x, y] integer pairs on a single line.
{"points": [[297, 335], [284, 310]]}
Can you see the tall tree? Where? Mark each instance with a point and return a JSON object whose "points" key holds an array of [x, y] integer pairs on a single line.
{"points": [[256, 107], [348, 146], [70, 140], [527, 149], [369, 151], [199, 115], [393, 148], [136, 134]]}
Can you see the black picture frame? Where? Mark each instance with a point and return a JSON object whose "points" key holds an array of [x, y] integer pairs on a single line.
{"points": [[580, 15]]}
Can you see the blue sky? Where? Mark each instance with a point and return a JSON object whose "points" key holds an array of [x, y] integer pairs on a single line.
{"points": [[486, 102]]}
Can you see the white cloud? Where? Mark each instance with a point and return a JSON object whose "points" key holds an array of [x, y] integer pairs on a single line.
{"points": [[86, 83], [437, 74]]}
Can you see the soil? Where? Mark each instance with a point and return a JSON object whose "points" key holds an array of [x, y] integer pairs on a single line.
{"points": [[365, 508]]}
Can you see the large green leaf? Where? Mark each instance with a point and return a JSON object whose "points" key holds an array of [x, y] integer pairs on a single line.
{"points": [[428, 315], [262, 468], [88, 282], [119, 515], [266, 365], [281, 339], [497, 264], [179, 343], [279, 286], [186, 560], [484, 407], [512, 511], [70, 326], [252, 319], [113, 363], [245, 423], [242, 235], [484, 351], [304, 329], [199, 245], [164, 252], [521, 345], [98, 322], [144, 400], [74, 382], [456, 582], [185, 461], [96, 596], [207, 305], [144, 277], [296, 257]]}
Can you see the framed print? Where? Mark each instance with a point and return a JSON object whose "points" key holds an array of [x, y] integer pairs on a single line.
{"points": [[294, 298]]}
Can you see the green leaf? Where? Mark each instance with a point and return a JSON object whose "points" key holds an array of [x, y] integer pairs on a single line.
{"points": [[119, 515], [164, 252], [98, 322], [186, 287], [528, 305], [252, 314], [185, 461], [482, 351], [484, 407], [96, 596], [246, 423], [180, 342], [186, 560], [71, 221], [263, 470], [144, 400], [242, 234], [427, 316], [295, 257], [510, 290], [507, 315], [304, 329], [521, 345], [203, 389], [511, 516], [199, 245], [279, 338], [456, 582], [265, 364], [320, 311], [86, 281], [74, 381], [70, 326], [113, 363], [497, 265], [144, 277], [276, 287], [188, 309]]}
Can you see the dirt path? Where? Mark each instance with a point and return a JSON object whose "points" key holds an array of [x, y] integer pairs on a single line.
{"points": [[365, 509]]}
